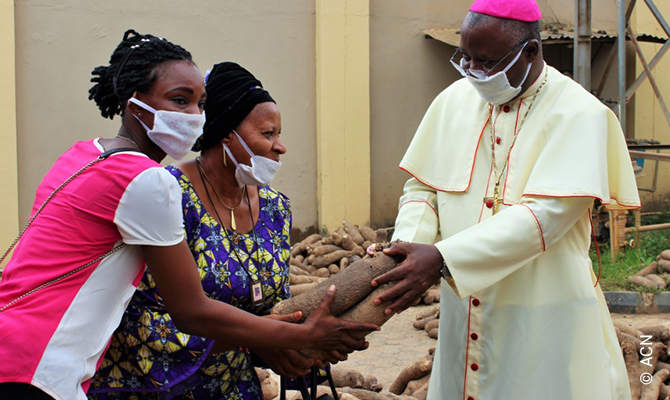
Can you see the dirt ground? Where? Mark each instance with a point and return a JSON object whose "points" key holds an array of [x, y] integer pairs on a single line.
{"points": [[398, 344]]}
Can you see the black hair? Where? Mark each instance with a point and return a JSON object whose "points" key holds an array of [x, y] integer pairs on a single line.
{"points": [[131, 68], [517, 31]]}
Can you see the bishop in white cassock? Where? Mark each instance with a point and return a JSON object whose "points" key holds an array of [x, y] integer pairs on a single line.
{"points": [[506, 165]]}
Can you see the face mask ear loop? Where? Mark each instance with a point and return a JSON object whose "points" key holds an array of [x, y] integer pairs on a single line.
{"points": [[230, 154], [504, 71], [251, 154], [142, 104]]}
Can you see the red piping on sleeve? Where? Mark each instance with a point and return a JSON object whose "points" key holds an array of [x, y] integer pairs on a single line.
{"points": [[419, 201], [539, 227]]}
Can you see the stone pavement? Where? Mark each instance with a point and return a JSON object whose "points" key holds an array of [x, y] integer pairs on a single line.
{"points": [[393, 348]]}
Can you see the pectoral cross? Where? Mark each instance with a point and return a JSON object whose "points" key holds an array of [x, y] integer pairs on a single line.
{"points": [[495, 201]]}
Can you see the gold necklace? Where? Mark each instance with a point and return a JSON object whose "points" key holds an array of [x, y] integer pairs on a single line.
{"points": [[496, 199], [231, 209], [128, 139]]}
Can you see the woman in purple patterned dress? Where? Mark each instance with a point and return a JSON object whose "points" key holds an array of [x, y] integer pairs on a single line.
{"points": [[238, 230]]}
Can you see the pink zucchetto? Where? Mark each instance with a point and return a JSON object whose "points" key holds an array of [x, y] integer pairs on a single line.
{"points": [[519, 10]]}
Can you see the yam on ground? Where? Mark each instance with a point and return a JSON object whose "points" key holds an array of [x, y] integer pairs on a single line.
{"points": [[661, 365], [337, 239], [656, 280], [664, 264], [431, 325], [325, 249], [346, 377], [421, 323], [422, 393], [372, 383], [298, 249], [628, 329], [382, 235], [665, 255], [333, 269], [331, 258], [430, 311], [315, 237], [659, 333], [353, 284], [353, 231], [321, 272], [300, 279], [651, 391], [344, 263], [415, 385], [641, 281], [348, 242], [327, 240], [433, 333], [416, 370], [368, 233], [297, 290], [363, 394], [293, 270], [632, 361], [649, 269]]}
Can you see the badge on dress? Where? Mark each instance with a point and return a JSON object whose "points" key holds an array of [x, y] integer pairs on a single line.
{"points": [[256, 293]]}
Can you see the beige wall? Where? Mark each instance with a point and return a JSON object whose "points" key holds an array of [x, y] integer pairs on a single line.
{"points": [[58, 43], [406, 72], [650, 120]]}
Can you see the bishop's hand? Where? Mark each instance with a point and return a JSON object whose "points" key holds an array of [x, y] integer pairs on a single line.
{"points": [[419, 270]]}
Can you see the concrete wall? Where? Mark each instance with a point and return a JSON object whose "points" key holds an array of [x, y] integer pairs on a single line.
{"points": [[407, 71], [650, 119], [59, 43]]}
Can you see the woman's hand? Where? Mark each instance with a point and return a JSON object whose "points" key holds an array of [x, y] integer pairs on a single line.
{"points": [[328, 333]]}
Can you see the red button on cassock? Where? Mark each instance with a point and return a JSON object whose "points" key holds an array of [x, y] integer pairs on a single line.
{"points": [[475, 302], [498, 140], [506, 108], [471, 398], [489, 203], [474, 367], [474, 336]]}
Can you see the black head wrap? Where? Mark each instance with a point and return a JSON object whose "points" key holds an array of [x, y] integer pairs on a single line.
{"points": [[232, 92]]}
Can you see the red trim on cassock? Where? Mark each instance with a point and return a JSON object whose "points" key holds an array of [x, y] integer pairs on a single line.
{"points": [[419, 201], [539, 226], [467, 348]]}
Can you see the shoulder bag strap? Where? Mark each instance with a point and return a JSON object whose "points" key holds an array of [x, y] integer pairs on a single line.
{"points": [[102, 156]]}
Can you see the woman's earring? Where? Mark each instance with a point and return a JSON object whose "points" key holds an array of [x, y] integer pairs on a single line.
{"points": [[225, 162]]}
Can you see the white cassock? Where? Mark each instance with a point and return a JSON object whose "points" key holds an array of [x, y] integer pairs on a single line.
{"points": [[522, 316]]}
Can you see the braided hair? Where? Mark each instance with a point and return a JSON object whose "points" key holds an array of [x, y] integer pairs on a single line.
{"points": [[131, 68]]}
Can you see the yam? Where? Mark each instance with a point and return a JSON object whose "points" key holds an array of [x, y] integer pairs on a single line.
{"points": [[651, 391], [422, 393], [331, 258], [372, 383], [414, 386], [649, 269], [344, 263], [427, 298], [298, 249], [300, 279], [656, 280], [325, 249], [421, 324], [346, 377], [293, 270], [369, 234], [297, 290], [315, 237], [659, 333], [664, 264], [382, 235], [433, 333], [310, 259], [431, 325], [628, 329], [270, 389], [348, 242], [416, 370], [333, 268], [661, 365], [322, 272], [430, 311], [337, 239], [353, 284], [353, 231], [641, 281], [665, 255], [327, 240]]}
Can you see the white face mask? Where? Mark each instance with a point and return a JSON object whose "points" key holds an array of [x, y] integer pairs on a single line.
{"points": [[174, 132], [261, 172], [496, 88]]}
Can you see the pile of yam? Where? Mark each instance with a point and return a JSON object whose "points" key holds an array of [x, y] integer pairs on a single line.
{"points": [[318, 257], [656, 275], [413, 379], [428, 321], [645, 351], [350, 385]]}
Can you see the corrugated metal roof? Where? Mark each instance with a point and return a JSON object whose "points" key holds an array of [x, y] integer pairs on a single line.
{"points": [[549, 36]]}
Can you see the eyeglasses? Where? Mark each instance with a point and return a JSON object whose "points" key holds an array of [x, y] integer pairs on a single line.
{"points": [[485, 71]]}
